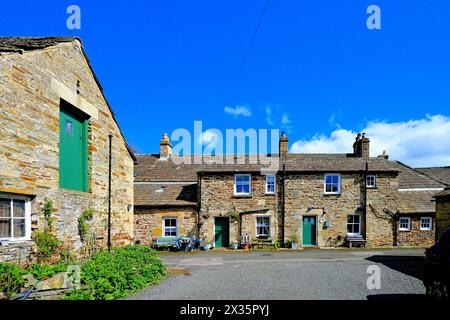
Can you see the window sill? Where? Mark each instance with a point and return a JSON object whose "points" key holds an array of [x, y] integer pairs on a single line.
{"points": [[237, 196], [270, 194], [404, 230], [332, 194]]}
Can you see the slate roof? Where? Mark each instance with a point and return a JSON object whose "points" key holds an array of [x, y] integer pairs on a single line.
{"points": [[410, 178], [445, 193], [161, 194], [441, 174], [151, 168], [22, 44], [416, 202]]}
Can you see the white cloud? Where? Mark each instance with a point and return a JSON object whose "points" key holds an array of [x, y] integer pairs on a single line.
{"points": [[238, 111], [286, 122], [269, 119], [210, 137], [420, 143]]}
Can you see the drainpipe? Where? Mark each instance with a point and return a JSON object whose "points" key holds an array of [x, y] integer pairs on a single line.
{"points": [[109, 193], [365, 200], [199, 203], [283, 195]]}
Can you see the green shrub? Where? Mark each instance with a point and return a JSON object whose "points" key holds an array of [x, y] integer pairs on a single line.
{"points": [[117, 274], [40, 271], [83, 225], [46, 243], [11, 279]]}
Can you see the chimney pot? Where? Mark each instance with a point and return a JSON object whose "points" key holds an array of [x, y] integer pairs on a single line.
{"points": [[284, 145], [165, 148]]}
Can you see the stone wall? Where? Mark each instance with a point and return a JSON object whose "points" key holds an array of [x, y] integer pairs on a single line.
{"points": [[305, 197], [442, 215], [20, 253], [29, 142], [416, 237], [218, 200], [148, 222]]}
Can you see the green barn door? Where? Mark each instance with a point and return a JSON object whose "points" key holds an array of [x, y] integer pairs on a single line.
{"points": [[309, 231], [72, 152], [221, 232]]}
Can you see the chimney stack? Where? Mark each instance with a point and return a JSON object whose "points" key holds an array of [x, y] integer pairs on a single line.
{"points": [[384, 155], [361, 147], [284, 145], [165, 148]]}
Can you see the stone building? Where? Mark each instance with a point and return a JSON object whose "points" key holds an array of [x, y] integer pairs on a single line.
{"points": [[320, 199], [55, 124], [442, 212]]}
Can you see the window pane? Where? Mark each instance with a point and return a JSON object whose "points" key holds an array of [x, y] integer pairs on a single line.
{"points": [[19, 228], [5, 208], [5, 228], [19, 208], [246, 189], [328, 179]]}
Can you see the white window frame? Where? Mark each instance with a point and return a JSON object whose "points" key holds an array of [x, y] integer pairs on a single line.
{"points": [[256, 227], [250, 185], [409, 224], [274, 184], [359, 224], [426, 228], [27, 200], [325, 183], [374, 181], [164, 226]]}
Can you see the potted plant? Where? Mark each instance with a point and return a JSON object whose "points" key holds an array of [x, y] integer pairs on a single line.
{"points": [[294, 240], [207, 246], [245, 245], [234, 245]]}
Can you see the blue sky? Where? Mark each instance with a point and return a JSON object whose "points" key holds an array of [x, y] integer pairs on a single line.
{"points": [[314, 70]]}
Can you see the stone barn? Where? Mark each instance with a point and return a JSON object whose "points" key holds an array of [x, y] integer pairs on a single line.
{"points": [[57, 134]]}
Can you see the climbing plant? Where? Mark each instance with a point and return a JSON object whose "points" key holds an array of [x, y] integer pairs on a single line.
{"points": [[45, 240], [83, 225]]}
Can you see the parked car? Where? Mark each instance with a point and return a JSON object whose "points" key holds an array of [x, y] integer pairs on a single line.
{"points": [[437, 269]]}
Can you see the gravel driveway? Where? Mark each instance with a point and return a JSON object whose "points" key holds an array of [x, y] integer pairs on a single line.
{"points": [[308, 274]]}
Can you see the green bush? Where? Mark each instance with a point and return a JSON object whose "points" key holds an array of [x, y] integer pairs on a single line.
{"points": [[11, 279], [46, 243], [40, 271], [119, 273]]}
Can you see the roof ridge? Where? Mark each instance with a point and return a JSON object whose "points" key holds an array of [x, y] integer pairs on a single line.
{"points": [[422, 173]]}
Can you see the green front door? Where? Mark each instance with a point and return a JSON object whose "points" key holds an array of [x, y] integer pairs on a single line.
{"points": [[72, 152], [221, 232], [309, 231]]}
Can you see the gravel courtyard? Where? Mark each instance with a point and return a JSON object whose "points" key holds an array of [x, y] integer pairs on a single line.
{"points": [[307, 274]]}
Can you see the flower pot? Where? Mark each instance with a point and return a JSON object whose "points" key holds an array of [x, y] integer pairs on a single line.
{"points": [[207, 246], [294, 245], [245, 246], [234, 246]]}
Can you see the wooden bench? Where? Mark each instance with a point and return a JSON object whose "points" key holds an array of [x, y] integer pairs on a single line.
{"points": [[356, 240], [166, 242], [263, 243]]}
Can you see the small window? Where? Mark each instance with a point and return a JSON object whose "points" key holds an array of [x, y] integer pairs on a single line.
{"points": [[371, 181], [270, 184], [15, 218], [405, 224], [242, 184], [170, 227], [332, 184], [354, 224], [262, 226], [426, 223]]}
